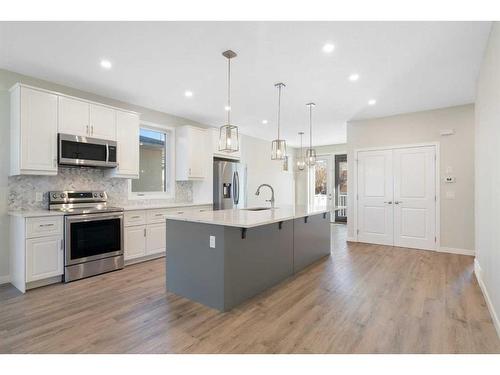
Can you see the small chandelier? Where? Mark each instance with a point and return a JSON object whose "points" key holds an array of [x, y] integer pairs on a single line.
{"points": [[228, 134], [301, 163], [311, 152], [278, 146]]}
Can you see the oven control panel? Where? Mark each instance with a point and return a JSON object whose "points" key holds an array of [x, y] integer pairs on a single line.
{"points": [[71, 196]]}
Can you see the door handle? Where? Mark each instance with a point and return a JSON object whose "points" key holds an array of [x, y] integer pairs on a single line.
{"points": [[397, 202], [388, 202]]}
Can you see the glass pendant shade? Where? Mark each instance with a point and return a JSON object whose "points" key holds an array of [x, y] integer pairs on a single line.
{"points": [[311, 152], [301, 163], [278, 149], [228, 138], [311, 157], [278, 146], [228, 134]]}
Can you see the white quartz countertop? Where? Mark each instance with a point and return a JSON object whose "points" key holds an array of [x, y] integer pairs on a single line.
{"points": [[243, 218], [42, 213]]}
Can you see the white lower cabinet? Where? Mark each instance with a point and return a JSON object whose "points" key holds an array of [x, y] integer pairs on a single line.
{"points": [[156, 238], [36, 251], [44, 258], [135, 242]]}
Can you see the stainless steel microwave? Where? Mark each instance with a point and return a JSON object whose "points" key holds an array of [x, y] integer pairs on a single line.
{"points": [[86, 152]]}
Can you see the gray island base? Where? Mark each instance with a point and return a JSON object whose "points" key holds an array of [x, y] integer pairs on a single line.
{"points": [[243, 261]]}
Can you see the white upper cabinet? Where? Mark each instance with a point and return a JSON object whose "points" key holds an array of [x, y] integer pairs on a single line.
{"points": [[222, 154], [74, 117], [127, 137], [191, 153], [102, 122], [33, 132], [78, 117]]}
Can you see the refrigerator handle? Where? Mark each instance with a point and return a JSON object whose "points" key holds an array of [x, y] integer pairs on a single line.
{"points": [[236, 187]]}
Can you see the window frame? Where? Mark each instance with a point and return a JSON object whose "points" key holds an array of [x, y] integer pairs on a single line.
{"points": [[170, 164]]}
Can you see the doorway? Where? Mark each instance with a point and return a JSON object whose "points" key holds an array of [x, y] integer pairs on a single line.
{"points": [[341, 188], [321, 187], [397, 197]]}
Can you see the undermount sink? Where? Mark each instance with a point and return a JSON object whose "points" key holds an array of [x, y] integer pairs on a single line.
{"points": [[257, 209]]}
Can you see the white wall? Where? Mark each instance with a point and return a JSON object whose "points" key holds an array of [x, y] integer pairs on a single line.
{"points": [[487, 197], [456, 151], [256, 154]]}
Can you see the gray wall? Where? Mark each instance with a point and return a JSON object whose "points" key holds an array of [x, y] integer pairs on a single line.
{"points": [[488, 172], [7, 80], [456, 151]]}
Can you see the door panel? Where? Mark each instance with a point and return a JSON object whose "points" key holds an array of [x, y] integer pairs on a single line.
{"points": [[102, 122], [156, 238], [135, 242], [375, 192], [414, 198], [39, 131], [44, 258], [74, 117]]}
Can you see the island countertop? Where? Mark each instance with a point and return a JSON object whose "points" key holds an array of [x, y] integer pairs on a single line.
{"points": [[245, 218]]}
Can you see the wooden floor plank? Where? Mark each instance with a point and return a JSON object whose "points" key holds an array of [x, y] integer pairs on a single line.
{"points": [[362, 299]]}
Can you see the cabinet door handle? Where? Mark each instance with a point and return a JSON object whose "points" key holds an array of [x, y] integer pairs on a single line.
{"points": [[389, 202], [46, 225], [144, 232], [62, 244], [135, 217], [54, 162], [159, 215], [88, 132], [92, 130], [397, 202]]}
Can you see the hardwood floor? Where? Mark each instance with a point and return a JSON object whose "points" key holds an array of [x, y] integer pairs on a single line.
{"points": [[362, 299]]}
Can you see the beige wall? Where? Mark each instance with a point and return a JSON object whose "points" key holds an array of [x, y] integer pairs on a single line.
{"points": [[456, 151], [488, 174], [301, 176]]}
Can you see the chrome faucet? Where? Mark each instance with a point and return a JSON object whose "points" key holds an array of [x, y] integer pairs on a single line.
{"points": [[272, 193]]}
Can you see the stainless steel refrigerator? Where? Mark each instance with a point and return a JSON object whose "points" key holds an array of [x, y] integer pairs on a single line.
{"points": [[230, 180]]}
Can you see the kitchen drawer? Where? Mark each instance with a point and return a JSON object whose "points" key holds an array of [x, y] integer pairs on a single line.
{"points": [[134, 218], [44, 226], [156, 216]]}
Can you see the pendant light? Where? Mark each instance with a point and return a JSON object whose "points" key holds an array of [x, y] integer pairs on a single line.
{"points": [[301, 164], [278, 146], [310, 153], [228, 134]]}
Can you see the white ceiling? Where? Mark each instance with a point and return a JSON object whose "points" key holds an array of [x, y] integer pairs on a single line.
{"points": [[405, 66]]}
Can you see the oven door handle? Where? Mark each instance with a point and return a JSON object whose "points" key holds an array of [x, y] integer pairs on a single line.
{"points": [[92, 217], [107, 152]]}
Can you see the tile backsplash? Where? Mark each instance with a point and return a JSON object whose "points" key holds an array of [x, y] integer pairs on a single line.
{"points": [[23, 189]]}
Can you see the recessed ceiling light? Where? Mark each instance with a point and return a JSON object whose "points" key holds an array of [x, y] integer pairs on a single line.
{"points": [[188, 94], [328, 48], [227, 108], [264, 122], [106, 64], [354, 77], [372, 102]]}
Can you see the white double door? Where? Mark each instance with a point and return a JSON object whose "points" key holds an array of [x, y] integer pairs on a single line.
{"points": [[396, 202]]}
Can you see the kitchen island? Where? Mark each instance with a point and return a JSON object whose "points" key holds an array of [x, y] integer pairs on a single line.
{"points": [[222, 258]]}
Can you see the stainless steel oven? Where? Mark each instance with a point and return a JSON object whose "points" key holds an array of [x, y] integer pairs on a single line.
{"points": [[93, 233], [86, 152]]}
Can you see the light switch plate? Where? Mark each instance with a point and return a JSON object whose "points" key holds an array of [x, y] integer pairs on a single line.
{"points": [[212, 242]]}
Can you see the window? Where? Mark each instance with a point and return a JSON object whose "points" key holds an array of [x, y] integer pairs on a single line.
{"points": [[155, 162]]}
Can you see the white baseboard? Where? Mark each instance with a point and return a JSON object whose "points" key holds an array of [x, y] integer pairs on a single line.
{"points": [[4, 279], [351, 239], [453, 250], [479, 276]]}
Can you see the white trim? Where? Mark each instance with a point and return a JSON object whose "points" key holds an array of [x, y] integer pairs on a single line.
{"points": [[479, 276], [452, 250], [352, 239], [4, 279], [437, 188], [170, 168]]}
